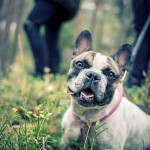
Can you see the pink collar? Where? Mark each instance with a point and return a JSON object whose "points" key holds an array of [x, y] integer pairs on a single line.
{"points": [[121, 92]]}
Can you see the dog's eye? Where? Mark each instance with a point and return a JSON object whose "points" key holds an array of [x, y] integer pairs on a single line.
{"points": [[79, 64], [111, 75]]}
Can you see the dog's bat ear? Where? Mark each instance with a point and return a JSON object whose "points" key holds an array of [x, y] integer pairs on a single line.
{"points": [[83, 43], [123, 56]]}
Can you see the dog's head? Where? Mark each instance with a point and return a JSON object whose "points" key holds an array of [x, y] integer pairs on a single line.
{"points": [[92, 75]]}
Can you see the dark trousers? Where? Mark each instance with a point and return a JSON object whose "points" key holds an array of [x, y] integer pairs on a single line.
{"points": [[141, 10], [45, 46]]}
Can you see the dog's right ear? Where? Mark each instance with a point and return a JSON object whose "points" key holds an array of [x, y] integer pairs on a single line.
{"points": [[83, 43], [122, 56]]}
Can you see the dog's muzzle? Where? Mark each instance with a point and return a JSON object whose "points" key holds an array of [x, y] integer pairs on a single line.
{"points": [[90, 88]]}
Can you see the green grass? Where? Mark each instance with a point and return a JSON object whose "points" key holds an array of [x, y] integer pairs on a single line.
{"points": [[31, 110], [40, 104]]}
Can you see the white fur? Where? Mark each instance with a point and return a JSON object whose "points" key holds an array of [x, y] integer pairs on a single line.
{"points": [[127, 128], [99, 61]]}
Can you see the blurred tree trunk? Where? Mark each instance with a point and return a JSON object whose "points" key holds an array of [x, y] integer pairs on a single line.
{"points": [[125, 20], [1, 18], [98, 17], [4, 48], [9, 40], [101, 22], [78, 18], [94, 16], [1, 6], [19, 23]]}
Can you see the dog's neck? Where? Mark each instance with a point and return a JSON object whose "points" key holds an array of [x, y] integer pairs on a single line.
{"points": [[94, 114]]}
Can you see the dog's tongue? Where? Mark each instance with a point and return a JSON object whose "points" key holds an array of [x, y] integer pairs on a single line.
{"points": [[87, 94]]}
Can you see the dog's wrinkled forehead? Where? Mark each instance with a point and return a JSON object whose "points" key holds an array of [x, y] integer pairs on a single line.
{"points": [[97, 61], [84, 58], [101, 62]]}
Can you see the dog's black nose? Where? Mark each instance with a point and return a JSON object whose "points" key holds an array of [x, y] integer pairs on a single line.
{"points": [[93, 76]]}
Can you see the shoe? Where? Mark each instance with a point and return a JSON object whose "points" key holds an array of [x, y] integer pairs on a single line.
{"points": [[133, 81]]}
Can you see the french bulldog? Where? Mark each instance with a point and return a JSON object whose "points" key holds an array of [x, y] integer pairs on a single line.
{"points": [[91, 82]]}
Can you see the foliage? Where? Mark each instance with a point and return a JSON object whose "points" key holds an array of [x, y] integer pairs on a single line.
{"points": [[31, 110]]}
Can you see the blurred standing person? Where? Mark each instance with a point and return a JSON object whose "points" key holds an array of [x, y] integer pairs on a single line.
{"points": [[141, 11], [50, 14]]}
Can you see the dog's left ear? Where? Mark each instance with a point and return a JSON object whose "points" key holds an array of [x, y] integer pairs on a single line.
{"points": [[83, 43], [122, 56]]}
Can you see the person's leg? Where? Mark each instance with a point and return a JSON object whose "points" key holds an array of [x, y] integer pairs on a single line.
{"points": [[40, 15], [142, 56], [52, 38], [141, 59]]}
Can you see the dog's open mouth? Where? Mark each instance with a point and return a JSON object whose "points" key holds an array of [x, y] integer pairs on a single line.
{"points": [[85, 94], [87, 98]]}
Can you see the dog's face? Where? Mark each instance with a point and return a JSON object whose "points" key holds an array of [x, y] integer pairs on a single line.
{"points": [[92, 75]]}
